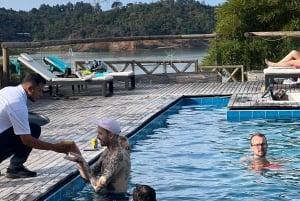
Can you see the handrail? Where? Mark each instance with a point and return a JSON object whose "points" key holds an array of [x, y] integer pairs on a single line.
{"points": [[4, 74], [221, 69], [146, 66], [272, 34]]}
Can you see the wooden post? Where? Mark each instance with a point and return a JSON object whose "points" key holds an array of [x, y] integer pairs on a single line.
{"points": [[5, 69], [218, 62], [132, 66], [248, 52], [164, 67]]}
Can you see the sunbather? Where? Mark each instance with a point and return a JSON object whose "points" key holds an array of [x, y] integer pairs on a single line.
{"points": [[291, 59]]}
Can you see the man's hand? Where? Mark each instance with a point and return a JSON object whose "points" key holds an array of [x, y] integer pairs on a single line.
{"points": [[75, 157], [64, 146], [70, 146]]}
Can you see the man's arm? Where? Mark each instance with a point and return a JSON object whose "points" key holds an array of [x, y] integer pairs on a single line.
{"points": [[61, 147], [99, 184], [87, 172], [83, 167], [112, 168]]}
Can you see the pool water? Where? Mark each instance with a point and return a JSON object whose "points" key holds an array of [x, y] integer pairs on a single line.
{"points": [[191, 152]]}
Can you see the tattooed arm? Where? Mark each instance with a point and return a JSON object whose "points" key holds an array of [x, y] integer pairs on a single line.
{"points": [[96, 169], [112, 166], [82, 165]]}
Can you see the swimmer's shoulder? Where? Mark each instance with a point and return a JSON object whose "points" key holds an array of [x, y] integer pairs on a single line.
{"points": [[246, 158]]}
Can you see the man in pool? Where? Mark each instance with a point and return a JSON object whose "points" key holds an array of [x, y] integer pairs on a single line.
{"points": [[17, 135], [259, 146], [113, 166]]}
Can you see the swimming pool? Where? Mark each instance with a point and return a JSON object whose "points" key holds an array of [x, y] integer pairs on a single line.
{"points": [[191, 152]]}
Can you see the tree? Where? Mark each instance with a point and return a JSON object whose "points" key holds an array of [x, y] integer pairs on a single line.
{"points": [[82, 20], [236, 17], [116, 4]]}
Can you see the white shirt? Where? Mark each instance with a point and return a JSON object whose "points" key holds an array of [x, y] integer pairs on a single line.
{"points": [[13, 110]]}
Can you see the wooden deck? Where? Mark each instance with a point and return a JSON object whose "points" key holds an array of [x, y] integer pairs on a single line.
{"points": [[71, 116]]}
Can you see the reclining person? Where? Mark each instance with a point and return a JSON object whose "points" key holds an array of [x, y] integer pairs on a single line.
{"points": [[291, 59]]}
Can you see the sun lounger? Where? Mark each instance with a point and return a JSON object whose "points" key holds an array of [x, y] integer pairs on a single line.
{"points": [[280, 72], [128, 76], [58, 65], [106, 82]]}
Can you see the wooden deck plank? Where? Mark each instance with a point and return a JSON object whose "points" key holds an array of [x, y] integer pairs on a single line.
{"points": [[70, 118]]}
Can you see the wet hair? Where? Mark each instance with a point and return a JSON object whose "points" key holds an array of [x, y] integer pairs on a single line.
{"points": [[143, 193], [34, 78], [259, 135]]}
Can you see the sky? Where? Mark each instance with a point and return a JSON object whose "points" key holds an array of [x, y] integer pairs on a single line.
{"points": [[27, 5]]}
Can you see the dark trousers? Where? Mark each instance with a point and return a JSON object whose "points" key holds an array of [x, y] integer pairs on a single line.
{"points": [[11, 144]]}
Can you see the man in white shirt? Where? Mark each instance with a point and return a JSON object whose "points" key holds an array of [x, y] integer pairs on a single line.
{"points": [[17, 135]]}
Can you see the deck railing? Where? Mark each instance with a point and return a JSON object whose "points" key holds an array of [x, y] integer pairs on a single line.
{"points": [[229, 72], [147, 66], [4, 73], [233, 73]]}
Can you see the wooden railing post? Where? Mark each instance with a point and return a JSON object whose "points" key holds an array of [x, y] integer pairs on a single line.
{"points": [[5, 69], [218, 62], [132, 66]]}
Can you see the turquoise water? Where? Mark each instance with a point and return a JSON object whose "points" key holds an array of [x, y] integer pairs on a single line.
{"points": [[191, 152]]}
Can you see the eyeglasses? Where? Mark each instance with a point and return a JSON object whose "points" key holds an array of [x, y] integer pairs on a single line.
{"points": [[259, 145]]}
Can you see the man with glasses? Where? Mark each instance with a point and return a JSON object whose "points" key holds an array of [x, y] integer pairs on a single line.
{"points": [[259, 146]]}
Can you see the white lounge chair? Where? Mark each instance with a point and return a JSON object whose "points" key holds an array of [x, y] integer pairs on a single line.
{"points": [[127, 76], [280, 72], [106, 82]]}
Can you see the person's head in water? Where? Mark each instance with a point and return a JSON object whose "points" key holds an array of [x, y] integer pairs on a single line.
{"points": [[259, 145], [143, 193]]}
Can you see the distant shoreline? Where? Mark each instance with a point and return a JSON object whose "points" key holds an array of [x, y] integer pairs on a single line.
{"points": [[132, 45]]}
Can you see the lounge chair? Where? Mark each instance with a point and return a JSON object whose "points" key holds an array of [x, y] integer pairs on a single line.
{"points": [[128, 76], [280, 72], [58, 65], [106, 82]]}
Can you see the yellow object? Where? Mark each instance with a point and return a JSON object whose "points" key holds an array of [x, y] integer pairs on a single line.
{"points": [[94, 143], [67, 142], [86, 72]]}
